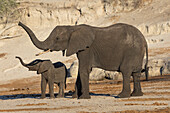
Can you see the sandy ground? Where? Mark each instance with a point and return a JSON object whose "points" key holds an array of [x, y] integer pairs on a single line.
{"points": [[23, 96]]}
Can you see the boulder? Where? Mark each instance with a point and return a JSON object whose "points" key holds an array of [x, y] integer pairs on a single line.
{"points": [[113, 75], [159, 67], [96, 73]]}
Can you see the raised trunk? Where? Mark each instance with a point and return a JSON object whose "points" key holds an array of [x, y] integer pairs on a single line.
{"points": [[22, 61], [36, 42]]}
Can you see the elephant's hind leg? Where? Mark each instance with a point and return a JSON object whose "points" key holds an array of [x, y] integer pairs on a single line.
{"points": [[137, 91], [83, 92], [61, 90], [126, 85]]}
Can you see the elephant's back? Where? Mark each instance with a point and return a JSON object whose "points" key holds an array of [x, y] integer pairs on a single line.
{"points": [[60, 71], [115, 43]]}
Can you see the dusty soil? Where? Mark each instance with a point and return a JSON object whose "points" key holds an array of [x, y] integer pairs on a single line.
{"points": [[23, 96]]}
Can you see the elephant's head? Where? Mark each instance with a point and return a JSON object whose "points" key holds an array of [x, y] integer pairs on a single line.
{"points": [[72, 38], [37, 65]]}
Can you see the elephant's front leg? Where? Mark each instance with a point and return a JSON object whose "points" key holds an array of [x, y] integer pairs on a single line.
{"points": [[43, 86], [61, 90], [83, 89], [51, 88], [82, 83]]}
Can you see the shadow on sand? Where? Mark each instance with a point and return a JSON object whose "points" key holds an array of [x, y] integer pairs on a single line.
{"points": [[37, 96]]}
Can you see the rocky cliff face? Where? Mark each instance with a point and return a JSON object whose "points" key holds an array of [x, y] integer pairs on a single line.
{"points": [[75, 12], [97, 13], [151, 17]]}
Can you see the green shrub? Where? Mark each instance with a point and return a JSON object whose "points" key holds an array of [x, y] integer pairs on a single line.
{"points": [[8, 10]]}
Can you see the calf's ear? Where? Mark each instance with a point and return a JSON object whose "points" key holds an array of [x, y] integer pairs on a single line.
{"points": [[44, 66], [80, 40]]}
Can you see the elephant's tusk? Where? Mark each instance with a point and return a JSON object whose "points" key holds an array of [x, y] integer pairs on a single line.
{"points": [[43, 52]]}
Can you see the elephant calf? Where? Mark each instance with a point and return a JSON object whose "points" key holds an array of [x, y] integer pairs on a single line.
{"points": [[50, 73]]}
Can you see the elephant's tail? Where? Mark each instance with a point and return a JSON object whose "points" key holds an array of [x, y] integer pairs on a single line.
{"points": [[146, 64]]}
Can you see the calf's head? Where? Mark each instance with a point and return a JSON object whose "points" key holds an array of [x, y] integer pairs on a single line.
{"points": [[37, 65]]}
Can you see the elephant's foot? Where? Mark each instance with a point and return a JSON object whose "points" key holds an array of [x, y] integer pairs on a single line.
{"points": [[137, 93], [84, 96], [124, 94]]}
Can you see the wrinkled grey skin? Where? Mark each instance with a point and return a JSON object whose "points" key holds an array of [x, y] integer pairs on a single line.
{"points": [[119, 47], [50, 73]]}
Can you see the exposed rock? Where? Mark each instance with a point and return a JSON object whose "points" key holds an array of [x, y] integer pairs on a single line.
{"points": [[75, 12], [156, 67], [118, 6], [159, 67], [154, 40], [155, 29], [113, 75], [96, 74]]}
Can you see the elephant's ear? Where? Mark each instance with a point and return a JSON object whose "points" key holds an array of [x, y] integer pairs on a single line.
{"points": [[44, 66], [79, 40]]}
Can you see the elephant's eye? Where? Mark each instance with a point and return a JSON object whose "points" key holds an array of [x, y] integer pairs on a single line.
{"points": [[57, 38]]}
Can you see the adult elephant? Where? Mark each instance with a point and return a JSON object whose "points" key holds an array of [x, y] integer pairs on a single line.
{"points": [[119, 47]]}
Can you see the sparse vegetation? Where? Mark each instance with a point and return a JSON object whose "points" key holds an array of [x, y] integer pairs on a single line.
{"points": [[8, 11]]}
